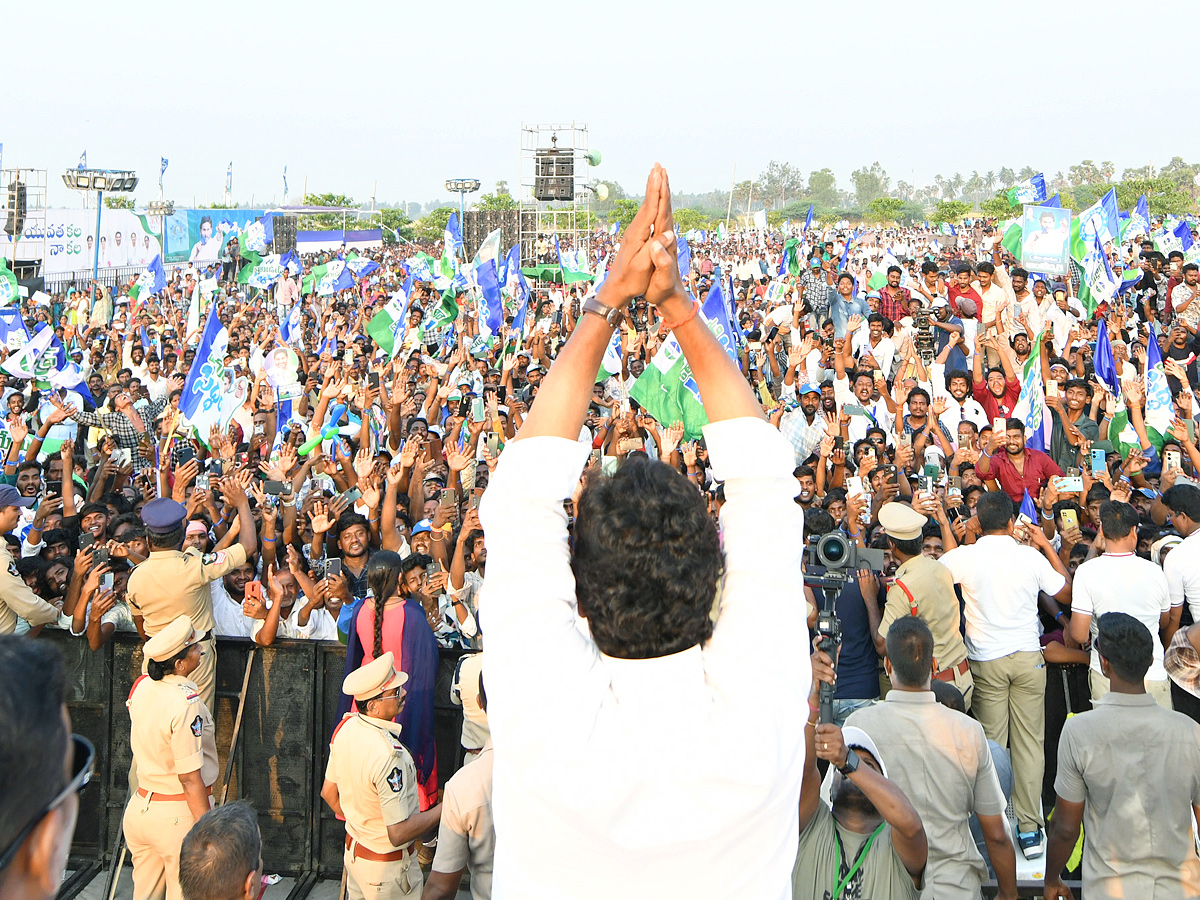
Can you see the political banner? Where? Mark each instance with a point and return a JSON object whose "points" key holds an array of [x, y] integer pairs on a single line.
{"points": [[198, 235], [1045, 232], [67, 243]]}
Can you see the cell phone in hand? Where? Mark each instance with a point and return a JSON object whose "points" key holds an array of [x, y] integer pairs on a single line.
{"points": [[954, 486], [100, 556], [477, 411], [449, 498], [1069, 519], [373, 380], [1099, 462], [1172, 460], [998, 426], [892, 474], [502, 393], [201, 482], [253, 591], [333, 567], [53, 488], [86, 539], [274, 488], [352, 496], [493, 445], [106, 581], [475, 495], [434, 568], [772, 333]]}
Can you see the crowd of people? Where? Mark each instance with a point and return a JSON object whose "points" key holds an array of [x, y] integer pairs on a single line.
{"points": [[346, 500]]}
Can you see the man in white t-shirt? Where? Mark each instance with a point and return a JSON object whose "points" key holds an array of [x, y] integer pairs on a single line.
{"points": [[1182, 566], [1001, 581], [1121, 581]]}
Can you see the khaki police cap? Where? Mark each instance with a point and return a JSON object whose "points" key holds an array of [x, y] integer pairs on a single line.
{"points": [[374, 678], [172, 640], [901, 521]]}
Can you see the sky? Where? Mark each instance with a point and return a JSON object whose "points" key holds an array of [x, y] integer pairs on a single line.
{"points": [[396, 97]]}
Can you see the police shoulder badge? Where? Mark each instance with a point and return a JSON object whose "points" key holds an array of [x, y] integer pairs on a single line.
{"points": [[197, 726], [396, 780]]}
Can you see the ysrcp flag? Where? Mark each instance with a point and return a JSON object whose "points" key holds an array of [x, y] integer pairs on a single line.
{"points": [[451, 246], [264, 273], [13, 333], [329, 278], [1032, 191], [24, 363], [209, 395], [1160, 411], [361, 265], [10, 290], [491, 305], [259, 235], [1101, 220], [1139, 220], [162, 169], [666, 389], [151, 281], [1031, 404], [386, 327], [291, 330]]}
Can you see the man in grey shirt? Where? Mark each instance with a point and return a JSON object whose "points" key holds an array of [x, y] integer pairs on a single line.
{"points": [[1133, 769], [940, 760]]}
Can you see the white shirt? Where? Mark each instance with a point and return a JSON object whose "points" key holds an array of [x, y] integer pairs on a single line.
{"points": [[1123, 583], [1000, 582], [320, 627], [228, 617], [685, 769], [1182, 568], [859, 425]]}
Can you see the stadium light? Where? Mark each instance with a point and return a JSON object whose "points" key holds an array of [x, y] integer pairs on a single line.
{"points": [[462, 187], [115, 181]]}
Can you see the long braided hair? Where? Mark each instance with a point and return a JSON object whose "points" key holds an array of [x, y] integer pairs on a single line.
{"points": [[383, 577]]}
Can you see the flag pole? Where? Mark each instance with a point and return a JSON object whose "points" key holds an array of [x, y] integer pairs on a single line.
{"points": [[729, 207]]}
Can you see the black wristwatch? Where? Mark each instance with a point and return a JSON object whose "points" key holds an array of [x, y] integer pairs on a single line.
{"points": [[851, 764]]}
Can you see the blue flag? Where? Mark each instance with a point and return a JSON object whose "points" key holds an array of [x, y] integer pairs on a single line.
{"points": [[808, 219], [1029, 508], [715, 310], [291, 330], [491, 305], [1054, 202], [162, 169], [259, 235], [1184, 232], [684, 256], [1102, 219], [733, 313], [12, 325], [145, 338], [1106, 366]]}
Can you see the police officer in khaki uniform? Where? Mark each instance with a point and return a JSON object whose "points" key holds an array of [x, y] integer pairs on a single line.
{"points": [[175, 750], [16, 599], [467, 836], [924, 587], [371, 782], [173, 582]]}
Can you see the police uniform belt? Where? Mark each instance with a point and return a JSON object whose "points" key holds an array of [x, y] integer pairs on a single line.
{"points": [[361, 852]]}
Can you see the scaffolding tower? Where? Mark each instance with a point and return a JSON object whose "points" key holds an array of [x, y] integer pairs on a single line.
{"points": [[26, 252], [555, 167]]}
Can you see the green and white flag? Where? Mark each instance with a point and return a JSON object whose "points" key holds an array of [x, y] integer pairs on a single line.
{"points": [[386, 327], [611, 364], [10, 291], [667, 390]]}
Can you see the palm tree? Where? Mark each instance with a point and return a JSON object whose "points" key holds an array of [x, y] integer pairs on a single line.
{"points": [[1026, 173], [989, 182], [1007, 177], [956, 184], [904, 189], [941, 184]]}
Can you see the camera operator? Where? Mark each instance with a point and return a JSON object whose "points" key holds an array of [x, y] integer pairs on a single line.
{"points": [[857, 610]]}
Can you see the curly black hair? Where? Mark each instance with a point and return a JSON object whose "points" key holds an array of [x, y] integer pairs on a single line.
{"points": [[646, 560]]}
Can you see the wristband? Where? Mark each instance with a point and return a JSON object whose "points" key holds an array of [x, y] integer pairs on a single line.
{"points": [[268, 540], [671, 326], [1058, 616]]}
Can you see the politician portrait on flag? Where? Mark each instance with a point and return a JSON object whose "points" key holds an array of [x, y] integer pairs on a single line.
{"points": [[1044, 234]]}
